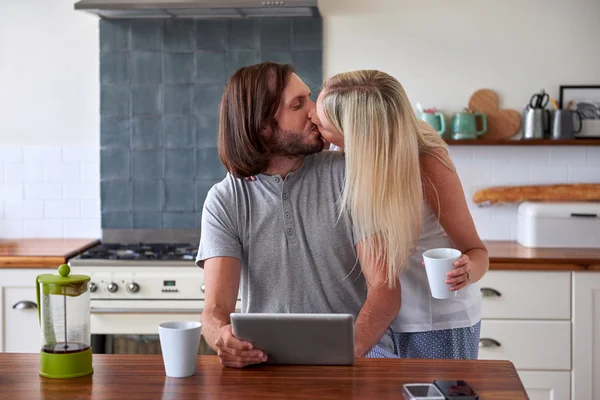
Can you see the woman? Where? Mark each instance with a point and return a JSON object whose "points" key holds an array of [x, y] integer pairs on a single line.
{"points": [[402, 184]]}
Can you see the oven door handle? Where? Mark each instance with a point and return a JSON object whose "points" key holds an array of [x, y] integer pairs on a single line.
{"points": [[99, 310]]}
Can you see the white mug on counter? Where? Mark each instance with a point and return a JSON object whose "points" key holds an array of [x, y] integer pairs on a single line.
{"points": [[179, 341], [438, 262]]}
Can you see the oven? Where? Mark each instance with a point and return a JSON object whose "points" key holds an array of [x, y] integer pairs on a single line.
{"points": [[134, 288]]}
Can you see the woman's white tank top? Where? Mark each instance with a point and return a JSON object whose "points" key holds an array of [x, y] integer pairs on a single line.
{"points": [[419, 311]]}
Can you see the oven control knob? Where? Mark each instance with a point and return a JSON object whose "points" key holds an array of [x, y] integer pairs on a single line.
{"points": [[112, 287], [133, 287], [203, 288], [93, 287]]}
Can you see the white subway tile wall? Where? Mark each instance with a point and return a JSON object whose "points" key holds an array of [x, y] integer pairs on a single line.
{"points": [[485, 166], [50, 192]]}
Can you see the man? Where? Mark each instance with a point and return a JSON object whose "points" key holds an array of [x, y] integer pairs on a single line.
{"points": [[282, 233]]}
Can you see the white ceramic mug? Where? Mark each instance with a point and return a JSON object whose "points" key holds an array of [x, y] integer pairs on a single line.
{"points": [[179, 341], [438, 262]]}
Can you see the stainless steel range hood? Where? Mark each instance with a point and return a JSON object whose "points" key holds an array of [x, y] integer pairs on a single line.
{"points": [[198, 8]]}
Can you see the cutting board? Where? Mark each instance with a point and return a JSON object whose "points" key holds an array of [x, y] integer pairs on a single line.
{"points": [[501, 123], [515, 194]]}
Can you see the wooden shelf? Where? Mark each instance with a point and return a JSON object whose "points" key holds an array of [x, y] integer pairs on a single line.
{"points": [[524, 142]]}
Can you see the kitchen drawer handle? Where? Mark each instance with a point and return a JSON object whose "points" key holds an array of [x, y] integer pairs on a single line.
{"points": [[95, 310], [489, 292], [485, 342], [24, 305]]}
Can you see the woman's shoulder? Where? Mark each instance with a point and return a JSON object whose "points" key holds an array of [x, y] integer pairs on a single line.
{"points": [[436, 159]]}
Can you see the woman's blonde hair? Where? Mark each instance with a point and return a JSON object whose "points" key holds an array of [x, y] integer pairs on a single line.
{"points": [[383, 141]]}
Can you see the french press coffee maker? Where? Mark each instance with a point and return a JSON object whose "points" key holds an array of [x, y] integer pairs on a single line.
{"points": [[64, 314]]}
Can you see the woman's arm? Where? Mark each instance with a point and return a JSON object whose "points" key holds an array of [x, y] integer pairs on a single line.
{"points": [[444, 194]]}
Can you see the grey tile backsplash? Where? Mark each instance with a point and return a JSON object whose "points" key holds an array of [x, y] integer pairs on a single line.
{"points": [[161, 84]]}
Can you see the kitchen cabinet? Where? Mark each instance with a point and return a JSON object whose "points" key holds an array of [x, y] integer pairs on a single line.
{"points": [[546, 385], [586, 335], [526, 318], [530, 345], [526, 295], [19, 326]]}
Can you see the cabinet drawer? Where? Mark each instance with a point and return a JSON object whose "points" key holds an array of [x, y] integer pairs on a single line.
{"points": [[526, 295], [546, 385], [21, 327], [540, 345]]}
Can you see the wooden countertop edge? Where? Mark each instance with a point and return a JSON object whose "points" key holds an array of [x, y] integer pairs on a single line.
{"points": [[545, 261], [32, 262], [80, 250], [523, 266], [511, 252], [44, 261]]}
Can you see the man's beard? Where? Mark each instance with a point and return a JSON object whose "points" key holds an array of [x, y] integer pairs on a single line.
{"points": [[291, 143]]}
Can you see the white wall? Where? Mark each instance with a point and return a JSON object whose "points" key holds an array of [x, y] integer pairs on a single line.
{"points": [[49, 85], [49, 120], [442, 51]]}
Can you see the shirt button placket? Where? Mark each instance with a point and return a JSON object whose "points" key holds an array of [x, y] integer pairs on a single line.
{"points": [[287, 214]]}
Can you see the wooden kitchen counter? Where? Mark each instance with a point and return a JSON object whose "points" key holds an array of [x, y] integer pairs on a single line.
{"points": [[41, 253], [135, 377], [509, 255]]}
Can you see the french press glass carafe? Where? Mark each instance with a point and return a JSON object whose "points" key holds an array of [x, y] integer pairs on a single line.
{"points": [[64, 314]]}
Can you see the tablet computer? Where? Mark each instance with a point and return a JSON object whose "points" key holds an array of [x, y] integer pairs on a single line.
{"points": [[308, 339]]}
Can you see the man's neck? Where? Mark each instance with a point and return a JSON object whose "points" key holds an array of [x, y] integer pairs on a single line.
{"points": [[283, 165]]}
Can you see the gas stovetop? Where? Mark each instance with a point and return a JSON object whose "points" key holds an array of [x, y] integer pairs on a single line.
{"points": [[146, 253]]}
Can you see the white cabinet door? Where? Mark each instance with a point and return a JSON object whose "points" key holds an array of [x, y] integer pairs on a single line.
{"points": [[21, 326], [531, 345], [546, 385], [586, 335], [526, 295]]}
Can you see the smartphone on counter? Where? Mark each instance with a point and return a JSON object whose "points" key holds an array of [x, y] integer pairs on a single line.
{"points": [[456, 390], [421, 391]]}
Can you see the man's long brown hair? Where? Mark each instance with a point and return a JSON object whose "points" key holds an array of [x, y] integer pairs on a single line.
{"points": [[248, 106]]}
